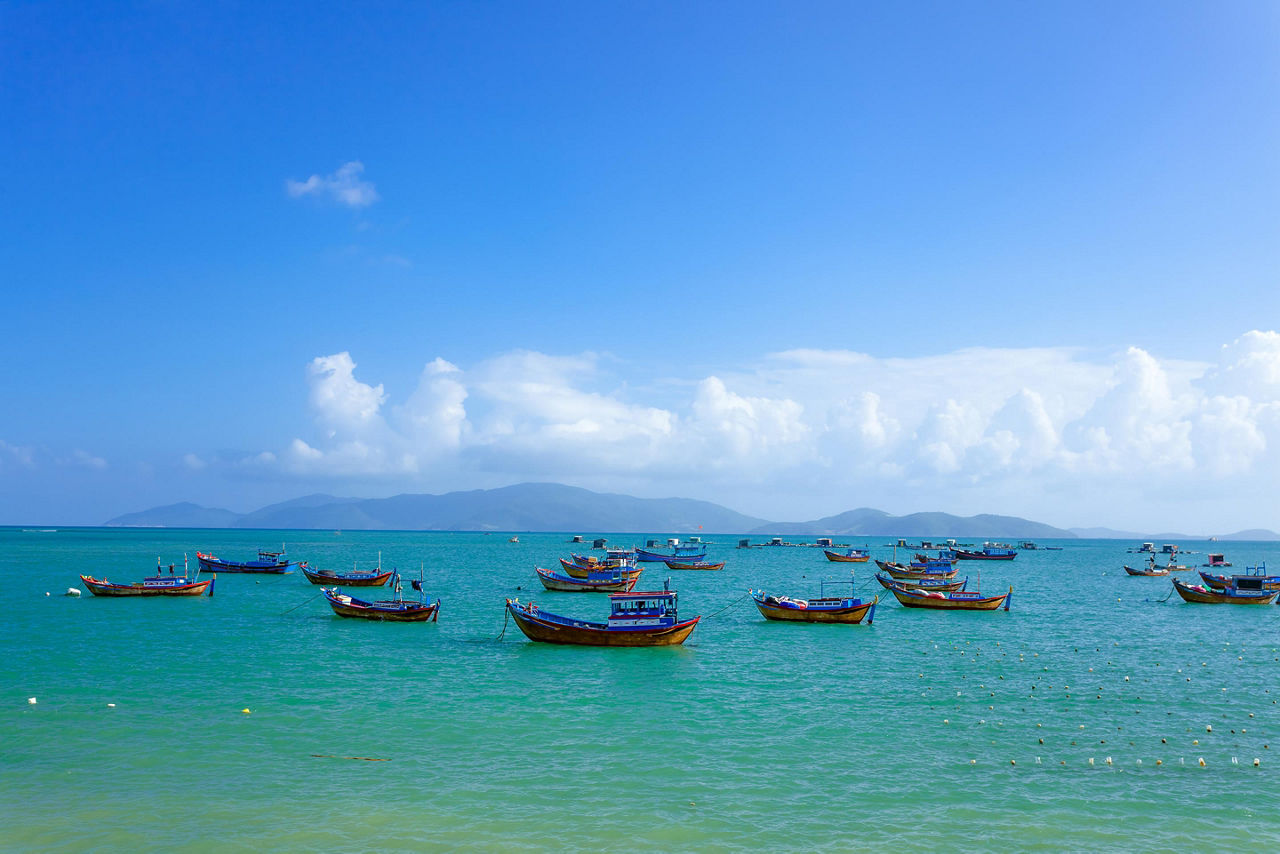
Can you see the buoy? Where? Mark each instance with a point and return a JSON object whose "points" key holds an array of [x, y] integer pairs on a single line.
{"points": [[46, 593], [72, 591], [1201, 761], [1013, 762], [1091, 760], [31, 701], [244, 711], [1256, 762], [973, 762], [1159, 761], [111, 705], [1108, 760], [1209, 727], [1195, 741], [1126, 678]]}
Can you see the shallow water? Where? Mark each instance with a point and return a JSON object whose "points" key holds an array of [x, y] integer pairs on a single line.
{"points": [[753, 735]]}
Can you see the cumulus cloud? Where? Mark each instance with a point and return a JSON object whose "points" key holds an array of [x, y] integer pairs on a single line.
{"points": [[344, 186]]}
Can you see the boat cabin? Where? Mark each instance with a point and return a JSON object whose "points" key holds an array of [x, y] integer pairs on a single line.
{"points": [[744, 544], [598, 543], [1218, 560], [1147, 547], [637, 610], [577, 538], [775, 541], [824, 542], [1168, 549]]}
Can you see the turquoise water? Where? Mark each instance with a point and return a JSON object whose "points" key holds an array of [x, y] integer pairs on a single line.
{"points": [[752, 736]]}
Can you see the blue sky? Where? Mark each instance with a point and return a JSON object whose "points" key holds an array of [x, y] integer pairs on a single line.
{"points": [[794, 258]]}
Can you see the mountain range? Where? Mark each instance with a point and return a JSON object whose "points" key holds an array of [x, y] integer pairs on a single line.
{"points": [[555, 507]]}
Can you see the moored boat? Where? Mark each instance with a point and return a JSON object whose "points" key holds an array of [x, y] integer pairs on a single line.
{"points": [[267, 562], [1202, 595], [582, 569], [1217, 561], [824, 609], [159, 584], [990, 551], [396, 610], [1254, 578], [1150, 570], [888, 582], [847, 556], [604, 581], [901, 572], [354, 578], [694, 564], [635, 619], [959, 600], [680, 551]]}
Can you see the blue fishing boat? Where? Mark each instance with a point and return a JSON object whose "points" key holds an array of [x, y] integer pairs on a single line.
{"points": [[267, 562], [635, 619], [824, 609], [990, 551], [604, 581], [1253, 578], [159, 584], [680, 552]]}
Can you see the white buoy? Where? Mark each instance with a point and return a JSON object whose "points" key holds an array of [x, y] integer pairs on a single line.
{"points": [[1256, 762], [31, 701], [111, 705], [1201, 761], [46, 593], [72, 591], [1208, 728]]}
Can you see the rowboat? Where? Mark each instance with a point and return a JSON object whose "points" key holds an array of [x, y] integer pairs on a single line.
{"points": [[354, 578], [635, 619], [267, 562], [825, 609], [694, 564], [848, 556], [1202, 595], [959, 600], [595, 582], [397, 610], [889, 582], [990, 551], [159, 584], [944, 572], [1254, 578]]}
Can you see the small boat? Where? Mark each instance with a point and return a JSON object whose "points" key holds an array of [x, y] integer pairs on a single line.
{"points": [[1202, 595], [848, 556], [825, 609], [635, 619], [159, 584], [694, 564], [990, 551], [354, 578], [1150, 570], [944, 556], [595, 582], [397, 610], [945, 572], [1217, 561], [888, 582], [267, 562], [959, 600], [680, 551], [579, 569], [514, 540], [1254, 578]]}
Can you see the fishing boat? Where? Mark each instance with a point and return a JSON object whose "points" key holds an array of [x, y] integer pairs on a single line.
{"points": [[267, 562], [1253, 578], [888, 582], [159, 584], [990, 551], [354, 578], [395, 610], [959, 600], [581, 569], [1151, 569], [944, 556], [825, 609], [944, 572], [595, 582], [635, 619], [1232, 595], [694, 564], [680, 551], [847, 556]]}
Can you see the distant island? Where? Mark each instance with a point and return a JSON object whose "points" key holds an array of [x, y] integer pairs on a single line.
{"points": [[555, 507]]}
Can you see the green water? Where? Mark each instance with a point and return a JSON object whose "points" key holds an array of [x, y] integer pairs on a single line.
{"points": [[753, 736]]}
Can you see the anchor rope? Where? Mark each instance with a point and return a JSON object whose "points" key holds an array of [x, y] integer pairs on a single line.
{"points": [[300, 604], [727, 607]]}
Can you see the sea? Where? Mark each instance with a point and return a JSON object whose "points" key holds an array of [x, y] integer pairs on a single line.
{"points": [[1098, 713]]}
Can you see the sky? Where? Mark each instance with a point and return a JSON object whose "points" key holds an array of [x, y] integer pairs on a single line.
{"points": [[794, 258]]}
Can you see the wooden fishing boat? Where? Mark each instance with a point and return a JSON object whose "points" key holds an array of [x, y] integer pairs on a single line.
{"points": [[901, 572], [694, 564], [888, 582], [1202, 595], [354, 578], [990, 551], [848, 556], [267, 562], [959, 600], [581, 570], [825, 609], [635, 619], [397, 610], [943, 557], [159, 584], [1254, 578], [595, 582], [680, 551], [1150, 570]]}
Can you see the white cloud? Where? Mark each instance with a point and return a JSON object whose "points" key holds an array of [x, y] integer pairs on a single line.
{"points": [[344, 186], [22, 455]]}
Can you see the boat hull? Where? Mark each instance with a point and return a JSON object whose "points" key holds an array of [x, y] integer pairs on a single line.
{"points": [[902, 573], [922, 584], [961, 554], [947, 602], [1152, 572], [702, 565], [544, 631], [836, 557], [102, 587], [815, 613], [215, 565], [388, 612], [618, 583], [1222, 582], [646, 556], [1224, 597], [376, 579], [578, 570]]}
